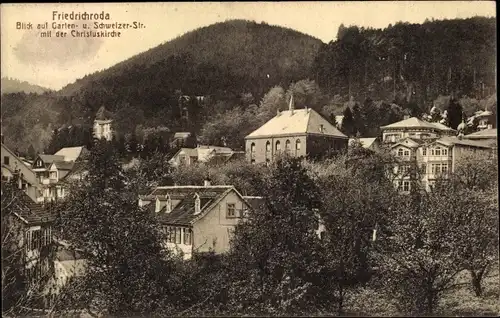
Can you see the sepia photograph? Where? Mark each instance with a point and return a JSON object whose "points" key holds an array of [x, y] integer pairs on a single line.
{"points": [[262, 159]]}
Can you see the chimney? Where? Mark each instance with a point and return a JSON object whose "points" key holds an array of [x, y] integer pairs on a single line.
{"points": [[291, 106], [278, 112], [321, 128], [406, 117]]}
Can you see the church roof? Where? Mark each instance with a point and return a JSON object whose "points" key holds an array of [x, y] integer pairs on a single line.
{"points": [[297, 121]]}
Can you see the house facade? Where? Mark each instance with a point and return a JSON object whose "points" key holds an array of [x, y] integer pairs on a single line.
{"points": [[197, 218], [33, 225], [414, 128], [14, 165], [203, 154], [429, 160], [296, 132], [53, 171]]}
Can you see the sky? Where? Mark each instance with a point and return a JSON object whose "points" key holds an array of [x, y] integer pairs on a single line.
{"points": [[54, 62]]}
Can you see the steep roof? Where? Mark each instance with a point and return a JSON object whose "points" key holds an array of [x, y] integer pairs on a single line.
{"points": [[179, 135], [31, 212], [297, 121], [365, 142], [103, 114], [48, 159], [70, 153], [483, 134], [412, 122], [257, 203], [63, 165], [183, 212], [443, 127]]}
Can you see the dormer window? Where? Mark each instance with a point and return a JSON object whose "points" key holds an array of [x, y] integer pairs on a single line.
{"points": [[197, 204], [158, 205], [169, 204]]}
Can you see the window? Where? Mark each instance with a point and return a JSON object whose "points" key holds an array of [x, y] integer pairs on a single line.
{"points": [[278, 146], [444, 152], [424, 168], [405, 169], [53, 175], [171, 234], [406, 186], [182, 159], [36, 238], [297, 144], [231, 210], [178, 235], [424, 151], [268, 146], [187, 236], [437, 151], [6, 160], [252, 148], [197, 204], [400, 152], [407, 153], [287, 146], [444, 168]]}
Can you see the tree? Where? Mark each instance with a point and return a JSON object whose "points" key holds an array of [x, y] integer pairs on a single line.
{"points": [[123, 242], [31, 152], [454, 113], [478, 172], [348, 125], [149, 173], [275, 261], [420, 255], [306, 93], [359, 119], [272, 101]]}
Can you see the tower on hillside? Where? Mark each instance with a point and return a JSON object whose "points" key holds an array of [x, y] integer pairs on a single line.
{"points": [[102, 124]]}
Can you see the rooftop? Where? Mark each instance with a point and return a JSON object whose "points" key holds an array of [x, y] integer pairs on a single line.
{"points": [[464, 142], [70, 153], [183, 211], [412, 122], [483, 134], [297, 121], [103, 114], [365, 142]]}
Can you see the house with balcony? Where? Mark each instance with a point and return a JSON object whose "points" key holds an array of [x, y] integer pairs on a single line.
{"points": [[425, 160], [14, 165], [52, 170], [205, 154], [414, 128], [296, 132], [197, 218]]}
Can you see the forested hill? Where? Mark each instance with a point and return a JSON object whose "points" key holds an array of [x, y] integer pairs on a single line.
{"points": [[10, 85], [234, 63], [227, 57], [423, 60]]}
